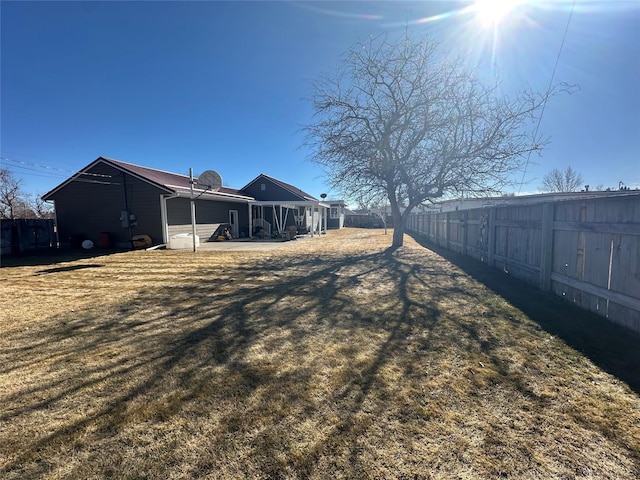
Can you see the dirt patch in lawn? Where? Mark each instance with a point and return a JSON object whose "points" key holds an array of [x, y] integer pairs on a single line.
{"points": [[329, 358]]}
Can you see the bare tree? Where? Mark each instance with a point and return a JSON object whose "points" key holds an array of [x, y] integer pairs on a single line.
{"points": [[11, 198], [376, 205], [14, 203], [567, 180], [40, 208], [401, 119]]}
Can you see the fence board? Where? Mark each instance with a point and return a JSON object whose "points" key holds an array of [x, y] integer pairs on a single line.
{"points": [[586, 250], [26, 235]]}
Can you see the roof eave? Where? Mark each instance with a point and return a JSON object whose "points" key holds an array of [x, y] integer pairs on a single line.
{"points": [[47, 196]]}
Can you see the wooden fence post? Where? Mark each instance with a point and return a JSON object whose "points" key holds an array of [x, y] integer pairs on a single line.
{"points": [[546, 244], [463, 223], [491, 243], [447, 222]]}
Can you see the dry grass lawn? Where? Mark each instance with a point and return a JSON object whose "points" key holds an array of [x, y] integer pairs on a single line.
{"points": [[332, 357]]}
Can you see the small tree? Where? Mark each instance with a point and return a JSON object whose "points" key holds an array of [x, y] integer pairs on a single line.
{"points": [[376, 205], [40, 208], [567, 180], [402, 120]]}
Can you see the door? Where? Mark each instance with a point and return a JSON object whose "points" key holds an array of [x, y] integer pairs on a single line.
{"points": [[233, 221]]}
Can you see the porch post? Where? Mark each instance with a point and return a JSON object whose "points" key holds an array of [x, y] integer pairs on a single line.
{"points": [[163, 218], [313, 218], [325, 217]]}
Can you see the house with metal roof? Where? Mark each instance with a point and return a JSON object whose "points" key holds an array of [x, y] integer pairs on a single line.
{"points": [[279, 207], [111, 202]]}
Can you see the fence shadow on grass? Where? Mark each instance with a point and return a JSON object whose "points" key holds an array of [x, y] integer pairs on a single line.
{"points": [[610, 346]]}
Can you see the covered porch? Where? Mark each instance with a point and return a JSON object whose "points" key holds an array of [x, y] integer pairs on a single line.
{"points": [[274, 218]]}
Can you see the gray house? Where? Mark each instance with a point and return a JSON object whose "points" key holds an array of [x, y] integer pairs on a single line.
{"points": [[111, 202], [278, 206]]}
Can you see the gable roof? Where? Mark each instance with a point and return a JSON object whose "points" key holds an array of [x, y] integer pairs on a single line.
{"points": [[286, 186], [171, 183]]}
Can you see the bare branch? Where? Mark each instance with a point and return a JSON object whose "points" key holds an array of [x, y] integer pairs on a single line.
{"points": [[567, 180], [402, 120]]}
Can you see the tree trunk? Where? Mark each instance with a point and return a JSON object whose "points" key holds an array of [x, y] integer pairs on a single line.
{"points": [[398, 236], [398, 227]]}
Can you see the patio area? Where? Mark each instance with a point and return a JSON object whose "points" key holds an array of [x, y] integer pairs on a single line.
{"points": [[255, 244]]}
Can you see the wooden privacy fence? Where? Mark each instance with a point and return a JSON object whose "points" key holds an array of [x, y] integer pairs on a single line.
{"points": [[587, 250], [26, 235]]}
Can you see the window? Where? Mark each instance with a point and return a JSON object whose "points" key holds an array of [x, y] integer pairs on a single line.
{"points": [[334, 212], [263, 187]]}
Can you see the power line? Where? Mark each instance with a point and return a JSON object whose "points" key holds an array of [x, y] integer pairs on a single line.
{"points": [[41, 173], [47, 167], [7, 159], [544, 104], [45, 174]]}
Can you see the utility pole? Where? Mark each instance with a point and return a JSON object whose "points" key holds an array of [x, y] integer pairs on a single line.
{"points": [[193, 209]]}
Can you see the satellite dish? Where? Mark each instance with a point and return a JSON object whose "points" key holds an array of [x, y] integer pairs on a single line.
{"points": [[210, 180]]}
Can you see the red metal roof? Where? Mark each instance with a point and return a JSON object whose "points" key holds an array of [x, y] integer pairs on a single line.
{"points": [[169, 180]]}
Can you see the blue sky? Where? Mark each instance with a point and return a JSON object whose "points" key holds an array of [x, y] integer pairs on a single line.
{"points": [[222, 85]]}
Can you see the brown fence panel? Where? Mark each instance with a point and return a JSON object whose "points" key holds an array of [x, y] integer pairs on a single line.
{"points": [[477, 234], [518, 232], [597, 257], [586, 250], [456, 231]]}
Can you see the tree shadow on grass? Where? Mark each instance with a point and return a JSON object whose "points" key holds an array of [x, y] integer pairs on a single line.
{"points": [[55, 256], [176, 348], [69, 268], [612, 347], [296, 367]]}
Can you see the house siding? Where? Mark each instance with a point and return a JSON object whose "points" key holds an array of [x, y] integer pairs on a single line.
{"points": [[271, 193], [209, 215], [338, 220], [88, 207]]}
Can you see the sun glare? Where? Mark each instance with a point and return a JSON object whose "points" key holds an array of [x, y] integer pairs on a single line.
{"points": [[491, 12]]}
